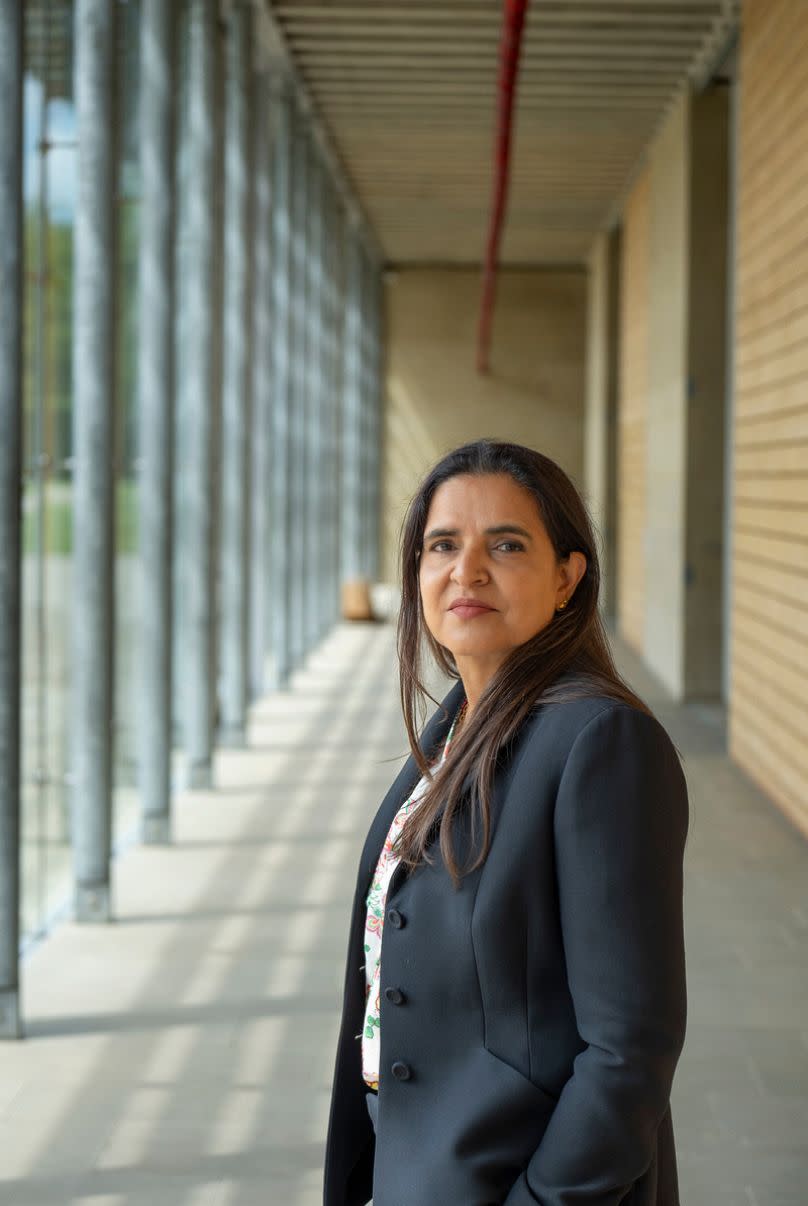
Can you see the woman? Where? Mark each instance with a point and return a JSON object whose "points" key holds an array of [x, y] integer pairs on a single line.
{"points": [[517, 1041]]}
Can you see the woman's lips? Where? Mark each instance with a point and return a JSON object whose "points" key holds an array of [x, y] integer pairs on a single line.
{"points": [[467, 611]]}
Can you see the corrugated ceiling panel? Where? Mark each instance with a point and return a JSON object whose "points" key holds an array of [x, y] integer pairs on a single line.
{"points": [[409, 94]]}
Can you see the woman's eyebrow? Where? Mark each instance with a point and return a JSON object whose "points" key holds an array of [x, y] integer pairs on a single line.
{"points": [[499, 530]]}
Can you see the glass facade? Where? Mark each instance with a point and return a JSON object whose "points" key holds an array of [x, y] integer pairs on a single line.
{"points": [[50, 591], [125, 798], [49, 184], [49, 189]]}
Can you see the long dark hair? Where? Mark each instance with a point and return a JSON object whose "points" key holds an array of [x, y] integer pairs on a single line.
{"points": [[574, 644]]}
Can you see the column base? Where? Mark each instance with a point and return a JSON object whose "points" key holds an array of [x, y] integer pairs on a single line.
{"points": [[10, 1020], [277, 679], [233, 737], [155, 830], [199, 776], [269, 677], [92, 904]]}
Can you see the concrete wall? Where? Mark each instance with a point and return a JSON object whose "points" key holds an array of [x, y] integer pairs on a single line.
{"points": [[769, 640], [706, 393], [672, 400], [666, 432], [435, 398], [600, 418], [632, 453]]}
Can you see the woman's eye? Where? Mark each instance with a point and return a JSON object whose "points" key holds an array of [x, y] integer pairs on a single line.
{"points": [[516, 545]]}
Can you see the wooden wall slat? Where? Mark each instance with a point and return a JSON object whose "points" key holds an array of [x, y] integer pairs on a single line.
{"points": [[783, 737], [758, 690], [780, 292], [774, 520], [786, 337], [774, 551], [787, 457], [775, 778], [768, 714], [781, 489], [763, 635], [762, 427]]}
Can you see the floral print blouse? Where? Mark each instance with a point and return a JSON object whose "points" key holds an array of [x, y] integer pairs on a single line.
{"points": [[376, 900]]}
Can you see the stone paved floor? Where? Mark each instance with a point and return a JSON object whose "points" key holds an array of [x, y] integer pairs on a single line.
{"points": [[183, 1055]]}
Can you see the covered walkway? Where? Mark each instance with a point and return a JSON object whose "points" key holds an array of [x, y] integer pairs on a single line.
{"points": [[183, 1054]]}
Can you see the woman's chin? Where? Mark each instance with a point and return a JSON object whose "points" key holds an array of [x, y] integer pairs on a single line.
{"points": [[471, 649]]}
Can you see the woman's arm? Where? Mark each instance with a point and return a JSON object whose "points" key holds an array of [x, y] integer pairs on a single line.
{"points": [[620, 825]]}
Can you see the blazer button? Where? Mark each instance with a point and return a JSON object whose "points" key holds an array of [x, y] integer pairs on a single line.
{"points": [[395, 995], [401, 1071], [395, 918]]}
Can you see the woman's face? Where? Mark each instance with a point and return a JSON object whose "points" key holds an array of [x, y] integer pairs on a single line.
{"points": [[484, 540]]}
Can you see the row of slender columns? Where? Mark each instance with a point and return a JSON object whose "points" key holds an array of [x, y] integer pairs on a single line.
{"points": [[11, 70], [367, 452], [319, 434], [332, 379], [155, 405], [362, 386], [93, 476], [352, 469], [373, 404], [197, 397], [278, 630], [369, 436], [259, 393], [313, 399], [235, 543], [256, 410], [297, 530]]}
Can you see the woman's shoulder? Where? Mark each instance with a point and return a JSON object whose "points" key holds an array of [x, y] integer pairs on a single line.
{"points": [[598, 740], [576, 720], [571, 704]]}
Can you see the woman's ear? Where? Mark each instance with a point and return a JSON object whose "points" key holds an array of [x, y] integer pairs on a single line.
{"points": [[574, 569]]}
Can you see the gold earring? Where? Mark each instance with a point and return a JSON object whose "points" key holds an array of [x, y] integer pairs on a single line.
{"points": [[562, 604]]}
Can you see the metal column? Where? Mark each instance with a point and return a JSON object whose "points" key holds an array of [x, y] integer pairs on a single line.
{"points": [[351, 477], [236, 428], [327, 516], [337, 271], [328, 605], [93, 487], [364, 413], [261, 390], [180, 257], [280, 597], [313, 488], [217, 200], [156, 411], [194, 459], [297, 419], [370, 416], [376, 389], [11, 71]]}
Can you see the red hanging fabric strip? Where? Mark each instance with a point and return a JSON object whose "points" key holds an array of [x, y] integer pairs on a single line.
{"points": [[513, 19]]}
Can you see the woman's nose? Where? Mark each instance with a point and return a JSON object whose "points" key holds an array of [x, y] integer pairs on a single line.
{"points": [[469, 566]]}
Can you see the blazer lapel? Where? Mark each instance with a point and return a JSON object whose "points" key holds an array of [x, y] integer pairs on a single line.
{"points": [[433, 736]]}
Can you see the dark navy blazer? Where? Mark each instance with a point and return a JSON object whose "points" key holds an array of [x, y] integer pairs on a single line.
{"points": [[529, 1051]]}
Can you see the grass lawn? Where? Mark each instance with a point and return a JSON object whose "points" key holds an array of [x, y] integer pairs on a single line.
{"points": [[58, 533]]}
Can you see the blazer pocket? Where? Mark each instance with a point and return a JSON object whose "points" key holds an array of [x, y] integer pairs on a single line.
{"points": [[498, 1117], [522, 1082]]}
